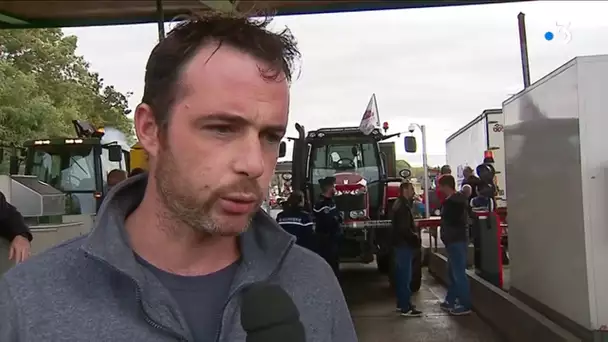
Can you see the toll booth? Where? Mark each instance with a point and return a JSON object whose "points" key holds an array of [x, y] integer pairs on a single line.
{"points": [[488, 246]]}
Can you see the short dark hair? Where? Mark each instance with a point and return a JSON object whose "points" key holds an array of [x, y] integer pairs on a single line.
{"points": [[251, 36], [116, 173], [446, 169], [405, 185], [447, 180], [327, 183], [136, 171], [294, 199]]}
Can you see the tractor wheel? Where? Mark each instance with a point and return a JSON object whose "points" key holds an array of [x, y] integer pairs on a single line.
{"points": [[391, 271], [383, 262], [416, 282]]}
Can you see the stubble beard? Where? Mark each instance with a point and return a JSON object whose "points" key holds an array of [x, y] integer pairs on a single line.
{"points": [[185, 204]]}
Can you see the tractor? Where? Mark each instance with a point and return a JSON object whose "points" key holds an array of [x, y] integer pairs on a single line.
{"points": [[364, 166], [77, 166]]}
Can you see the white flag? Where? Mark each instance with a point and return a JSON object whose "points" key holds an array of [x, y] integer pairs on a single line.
{"points": [[371, 118]]}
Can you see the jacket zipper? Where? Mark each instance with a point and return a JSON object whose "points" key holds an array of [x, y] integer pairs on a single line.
{"points": [[147, 318], [238, 289], [151, 322]]}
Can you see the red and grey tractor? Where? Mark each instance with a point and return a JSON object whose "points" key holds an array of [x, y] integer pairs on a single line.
{"points": [[366, 186]]}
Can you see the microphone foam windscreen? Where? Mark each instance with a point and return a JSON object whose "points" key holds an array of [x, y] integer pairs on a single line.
{"points": [[269, 314]]}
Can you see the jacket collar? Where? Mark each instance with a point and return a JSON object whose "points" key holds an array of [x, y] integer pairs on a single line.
{"points": [[263, 246]]}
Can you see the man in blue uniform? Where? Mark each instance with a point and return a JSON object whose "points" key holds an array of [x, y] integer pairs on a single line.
{"points": [[296, 221], [328, 220]]}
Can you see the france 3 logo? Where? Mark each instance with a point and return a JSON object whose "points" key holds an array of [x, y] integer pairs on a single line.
{"points": [[560, 33]]}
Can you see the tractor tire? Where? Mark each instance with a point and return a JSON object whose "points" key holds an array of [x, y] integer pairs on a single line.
{"points": [[416, 282], [383, 262], [391, 272]]}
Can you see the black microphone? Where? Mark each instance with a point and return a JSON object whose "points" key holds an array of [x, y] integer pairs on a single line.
{"points": [[269, 315]]}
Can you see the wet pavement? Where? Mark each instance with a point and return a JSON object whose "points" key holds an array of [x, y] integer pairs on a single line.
{"points": [[372, 306]]}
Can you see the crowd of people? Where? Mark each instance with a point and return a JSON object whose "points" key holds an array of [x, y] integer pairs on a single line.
{"points": [[320, 231]]}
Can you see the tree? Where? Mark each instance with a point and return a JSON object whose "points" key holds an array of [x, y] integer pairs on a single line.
{"points": [[46, 86]]}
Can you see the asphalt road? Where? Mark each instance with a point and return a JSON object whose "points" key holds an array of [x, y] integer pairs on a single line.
{"points": [[372, 305]]}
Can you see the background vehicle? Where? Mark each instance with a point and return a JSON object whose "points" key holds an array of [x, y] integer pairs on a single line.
{"points": [[366, 185], [470, 145], [557, 165], [77, 166]]}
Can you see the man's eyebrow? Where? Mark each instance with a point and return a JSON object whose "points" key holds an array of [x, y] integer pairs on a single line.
{"points": [[241, 121], [225, 117]]}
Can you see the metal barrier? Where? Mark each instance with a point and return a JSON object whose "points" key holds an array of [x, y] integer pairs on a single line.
{"points": [[432, 224], [48, 235]]}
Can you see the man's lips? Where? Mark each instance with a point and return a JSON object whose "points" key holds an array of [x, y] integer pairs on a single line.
{"points": [[238, 204]]}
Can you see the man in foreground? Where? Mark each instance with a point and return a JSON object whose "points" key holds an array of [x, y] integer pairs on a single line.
{"points": [[454, 234], [174, 249]]}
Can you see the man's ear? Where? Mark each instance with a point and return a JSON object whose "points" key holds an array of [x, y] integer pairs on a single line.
{"points": [[147, 129]]}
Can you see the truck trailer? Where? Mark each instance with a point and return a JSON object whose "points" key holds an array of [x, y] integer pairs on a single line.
{"points": [[557, 164], [479, 140]]}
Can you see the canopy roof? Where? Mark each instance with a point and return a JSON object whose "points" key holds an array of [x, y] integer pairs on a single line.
{"points": [[51, 13]]}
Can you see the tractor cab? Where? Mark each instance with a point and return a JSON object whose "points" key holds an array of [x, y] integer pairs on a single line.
{"points": [[354, 160], [76, 166]]}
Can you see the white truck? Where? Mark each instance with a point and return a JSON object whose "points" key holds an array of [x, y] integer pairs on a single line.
{"points": [[480, 138], [555, 139]]}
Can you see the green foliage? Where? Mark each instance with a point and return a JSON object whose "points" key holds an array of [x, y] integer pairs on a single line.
{"points": [[45, 86]]}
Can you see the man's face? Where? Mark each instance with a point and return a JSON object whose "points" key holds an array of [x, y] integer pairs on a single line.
{"points": [[330, 190], [408, 192], [221, 144]]}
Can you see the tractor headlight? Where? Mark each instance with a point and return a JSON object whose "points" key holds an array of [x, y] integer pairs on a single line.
{"points": [[360, 191], [356, 214]]}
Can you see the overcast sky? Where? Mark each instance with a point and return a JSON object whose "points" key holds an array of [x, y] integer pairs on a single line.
{"points": [[439, 67]]}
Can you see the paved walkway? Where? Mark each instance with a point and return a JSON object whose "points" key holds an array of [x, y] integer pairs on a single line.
{"points": [[372, 305]]}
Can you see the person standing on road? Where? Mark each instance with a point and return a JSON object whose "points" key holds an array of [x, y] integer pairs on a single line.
{"points": [[298, 222], [436, 197], [471, 180], [467, 190], [174, 250], [454, 222], [405, 243], [14, 229], [328, 221]]}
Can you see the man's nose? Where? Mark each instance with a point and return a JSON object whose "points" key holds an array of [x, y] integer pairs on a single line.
{"points": [[249, 159]]}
